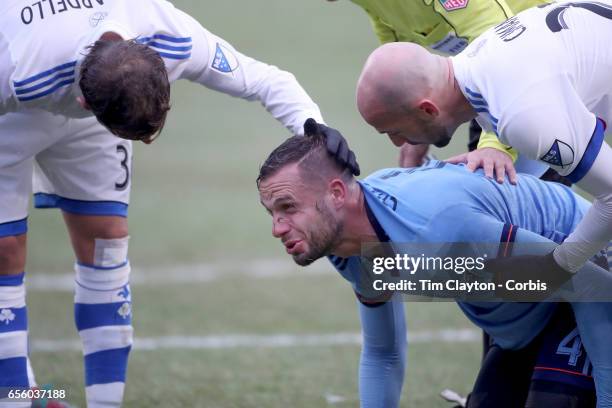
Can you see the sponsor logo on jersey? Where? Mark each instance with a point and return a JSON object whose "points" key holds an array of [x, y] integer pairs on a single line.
{"points": [[450, 5], [560, 154], [225, 61]]}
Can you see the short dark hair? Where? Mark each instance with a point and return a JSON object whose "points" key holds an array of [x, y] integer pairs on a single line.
{"points": [[311, 154], [126, 86]]}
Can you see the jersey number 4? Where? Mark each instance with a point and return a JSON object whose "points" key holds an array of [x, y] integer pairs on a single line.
{"points": [[571, 346], [556, 22]]}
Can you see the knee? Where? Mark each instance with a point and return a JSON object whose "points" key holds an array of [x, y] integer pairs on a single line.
{"points": [[12, 254], [88, 232]]}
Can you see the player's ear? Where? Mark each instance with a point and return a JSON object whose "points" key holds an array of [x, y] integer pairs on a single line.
{"points": [[338, 192], [82, 103], [429, 108]]}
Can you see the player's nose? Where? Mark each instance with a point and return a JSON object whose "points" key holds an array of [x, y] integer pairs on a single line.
{"points": [[279, 228]]}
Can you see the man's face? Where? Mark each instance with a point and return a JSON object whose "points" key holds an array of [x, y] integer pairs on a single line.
{"points": [[301, 217], [416, 128]]}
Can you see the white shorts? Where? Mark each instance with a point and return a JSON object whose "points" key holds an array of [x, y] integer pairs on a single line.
{"points": [[73, 164]]}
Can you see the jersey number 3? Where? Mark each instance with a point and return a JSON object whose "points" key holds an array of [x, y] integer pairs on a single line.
{"points": [[556, 23]]}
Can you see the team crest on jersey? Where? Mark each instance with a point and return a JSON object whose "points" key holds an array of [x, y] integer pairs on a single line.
{"points": [[450, 5], [560, 154], [225, 61]]}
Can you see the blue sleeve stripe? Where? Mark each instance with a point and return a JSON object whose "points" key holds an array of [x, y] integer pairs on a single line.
{"points": [[14, 374], [15, 319], [476, 102], [171, 38], [47, 92], [106, 366], [45, 73], [590, 153], [174, 56], [11, 228], [66, 74], [44, 200], [12, 280], [164, 38], [473, 94], [88, 316], [162, 46]]}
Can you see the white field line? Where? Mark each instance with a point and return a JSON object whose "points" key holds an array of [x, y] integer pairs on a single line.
{"points": [[232, 341], [196, 273]]}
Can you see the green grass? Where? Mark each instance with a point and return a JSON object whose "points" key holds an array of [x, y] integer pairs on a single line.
{"points": [[251, 376], [194, 200]]}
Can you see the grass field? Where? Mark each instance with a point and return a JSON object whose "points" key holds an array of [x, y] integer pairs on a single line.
{"points": [[208, 326]]}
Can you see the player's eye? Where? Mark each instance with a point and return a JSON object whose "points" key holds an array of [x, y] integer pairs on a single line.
{"points": [[287, 207]]}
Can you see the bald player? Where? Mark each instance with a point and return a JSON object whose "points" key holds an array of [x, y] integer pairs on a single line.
{"points": [[555, 112], [447, 27]]}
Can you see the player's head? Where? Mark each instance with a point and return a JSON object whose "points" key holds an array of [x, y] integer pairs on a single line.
{"points": [[125, 84], [398, 94], [305, 191]]}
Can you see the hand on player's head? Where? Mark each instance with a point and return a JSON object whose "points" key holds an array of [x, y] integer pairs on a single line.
{"points": [[336, 144]]}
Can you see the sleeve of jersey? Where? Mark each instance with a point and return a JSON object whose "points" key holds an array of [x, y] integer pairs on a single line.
{"points": [[595, 230], [559, 130], [383, 355], [384, 33], [215, 64], [460, 15], [488, 139]]}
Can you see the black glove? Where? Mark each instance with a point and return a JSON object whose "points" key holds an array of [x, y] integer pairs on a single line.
{"points": [[337, 145], [523, 269]]}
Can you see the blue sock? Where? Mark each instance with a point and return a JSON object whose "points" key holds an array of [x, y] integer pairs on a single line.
{"points": [[15, 371], [103, 316]]}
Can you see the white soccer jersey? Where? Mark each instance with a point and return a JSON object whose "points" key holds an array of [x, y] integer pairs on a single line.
{"points": [[542, 82], [42, 45]]}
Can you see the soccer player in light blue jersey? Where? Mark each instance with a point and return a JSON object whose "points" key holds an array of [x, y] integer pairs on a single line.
{"points": [[318, 209]]}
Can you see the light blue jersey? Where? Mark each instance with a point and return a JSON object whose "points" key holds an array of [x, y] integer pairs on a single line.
{"points": [[440, 202]]}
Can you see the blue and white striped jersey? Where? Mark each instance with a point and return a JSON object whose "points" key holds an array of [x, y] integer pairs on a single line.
{"points": [[43, 44]]}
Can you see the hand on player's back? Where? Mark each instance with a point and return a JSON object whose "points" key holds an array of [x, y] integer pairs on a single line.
{"points": [[492, 161]]}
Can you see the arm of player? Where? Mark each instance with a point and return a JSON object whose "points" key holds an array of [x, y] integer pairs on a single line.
{"points": [[383, 354], [521, 255], [215, 64], [570, 140], [595, 229]]}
